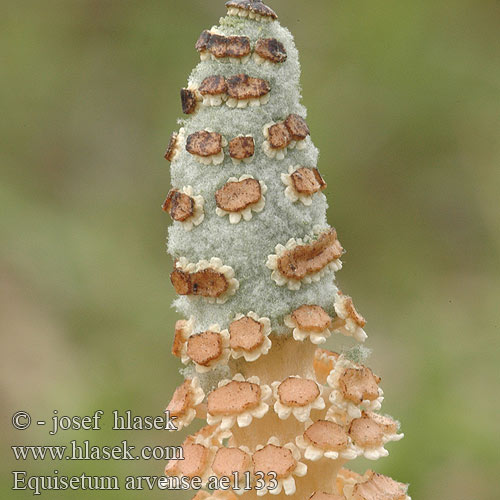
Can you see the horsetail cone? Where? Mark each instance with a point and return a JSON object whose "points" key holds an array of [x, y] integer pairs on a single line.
{"points": [[254, 268]]}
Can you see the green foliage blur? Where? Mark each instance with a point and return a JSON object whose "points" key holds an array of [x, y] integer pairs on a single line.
{"points": [[404, 104]]}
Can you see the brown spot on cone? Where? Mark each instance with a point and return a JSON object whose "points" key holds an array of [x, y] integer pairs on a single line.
{"points": [[279, 137], [297, 127], [204, 143], [178, 205], [207, 283], [202, 42], [389, 425], [234, 398], [275, 459], [307, 181], [203, 348], [230, 460], [180, 400], [327, 435], [366, 432], [311, 318], [245, 87], [188, 101], [358, 384], [309, 259], [298, 392], [228, 46], [213, 85], [181, 282], [236, 196], [271, 49], [195, 460], [241, 148], [246, 334], [379, 487]]}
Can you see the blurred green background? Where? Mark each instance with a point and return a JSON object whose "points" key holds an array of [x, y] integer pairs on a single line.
{"points": [[404, 103]]}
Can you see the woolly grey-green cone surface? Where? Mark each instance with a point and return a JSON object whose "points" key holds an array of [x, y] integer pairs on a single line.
{"points": [[255, 263]]}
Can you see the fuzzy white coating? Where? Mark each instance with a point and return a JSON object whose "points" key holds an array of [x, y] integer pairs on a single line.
{"points": [[279, 222]]}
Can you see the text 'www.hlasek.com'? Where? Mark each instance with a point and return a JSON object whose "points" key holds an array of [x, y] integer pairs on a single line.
{"points": [[84, 451]]}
